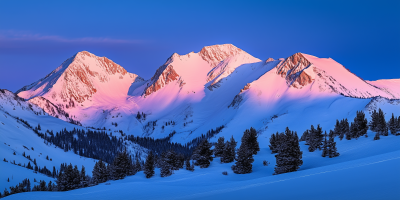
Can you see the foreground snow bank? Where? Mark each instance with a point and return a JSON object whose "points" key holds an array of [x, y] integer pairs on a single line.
{"points": [[366, 169]]}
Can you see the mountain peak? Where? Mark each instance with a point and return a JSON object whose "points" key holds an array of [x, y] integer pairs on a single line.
{"points": [[217, 53], [78, 78], [84, 53]]}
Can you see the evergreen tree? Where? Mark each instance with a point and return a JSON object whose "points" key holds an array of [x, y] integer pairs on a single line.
{"points": [[250, 140], [6, 193], [99, 172], [203, 154], [84, 182], [289, 157], [273, 142], [138, 166], [337, 130], [382, 126], [393, 126], [332, 145], [325, 147], [345, 127], [244, 157], [361, 125], [76, 178], [378, 123], [219, 147], [149, 165], [50, 186], [166, 164], [68, 179], [315, 139], [398, 126], [42, 186], [121, 166], [305, 136], [373, 124], [353, 131], [229, 152]]}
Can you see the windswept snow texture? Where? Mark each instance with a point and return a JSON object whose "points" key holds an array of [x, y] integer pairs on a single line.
{"points": [[366, 169], [219, 85]]}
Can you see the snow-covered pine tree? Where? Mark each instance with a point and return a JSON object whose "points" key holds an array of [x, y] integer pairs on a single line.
{"points": [[42, 185], [203, 154], [337, 130], [66, 180], [392, 124], [341, 133], [373, 124], [138, 166], [346, 128], [244, 158], [229, 152], [362, 124], [398, 126], [180, 161], [121, 166], [315, 139], [382, 126], [166, 161], [149, 165], [353, 131], [289, 158], [76, 178], [250, 139], [219, 147], [305, 136], [84, 182], [273, 143], [332, 145], [99, 173], [325, 147]]}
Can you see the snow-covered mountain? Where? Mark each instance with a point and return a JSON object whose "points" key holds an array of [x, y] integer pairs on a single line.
{"points": [[219, 85]]}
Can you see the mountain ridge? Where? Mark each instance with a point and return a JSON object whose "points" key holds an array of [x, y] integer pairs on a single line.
{"points": [[199, 91]]}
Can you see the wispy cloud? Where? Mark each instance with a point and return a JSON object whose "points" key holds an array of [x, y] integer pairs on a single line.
{"points": [[11, 35]]}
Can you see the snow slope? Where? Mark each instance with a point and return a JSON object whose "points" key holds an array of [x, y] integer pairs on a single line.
{"points": [[17, 138], [366, 169], [390, 85]]}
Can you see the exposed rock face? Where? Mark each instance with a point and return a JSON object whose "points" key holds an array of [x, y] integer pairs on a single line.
{"points": [[293, 69], [217, 53], [246, 87], [164, 75], [269, 60]]}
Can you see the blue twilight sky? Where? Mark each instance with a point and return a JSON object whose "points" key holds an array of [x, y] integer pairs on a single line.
{"points": [[37, 36]]}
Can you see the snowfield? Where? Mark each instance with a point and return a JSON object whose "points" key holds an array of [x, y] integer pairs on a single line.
{"points": [[365, 169]]}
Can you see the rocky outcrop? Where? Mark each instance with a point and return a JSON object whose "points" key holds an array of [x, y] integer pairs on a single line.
{"points": [[269, 60], [164, 75], [293, 70]]}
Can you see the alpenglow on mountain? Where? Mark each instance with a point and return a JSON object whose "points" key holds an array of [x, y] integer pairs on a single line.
{"points": [[219, 85]]}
